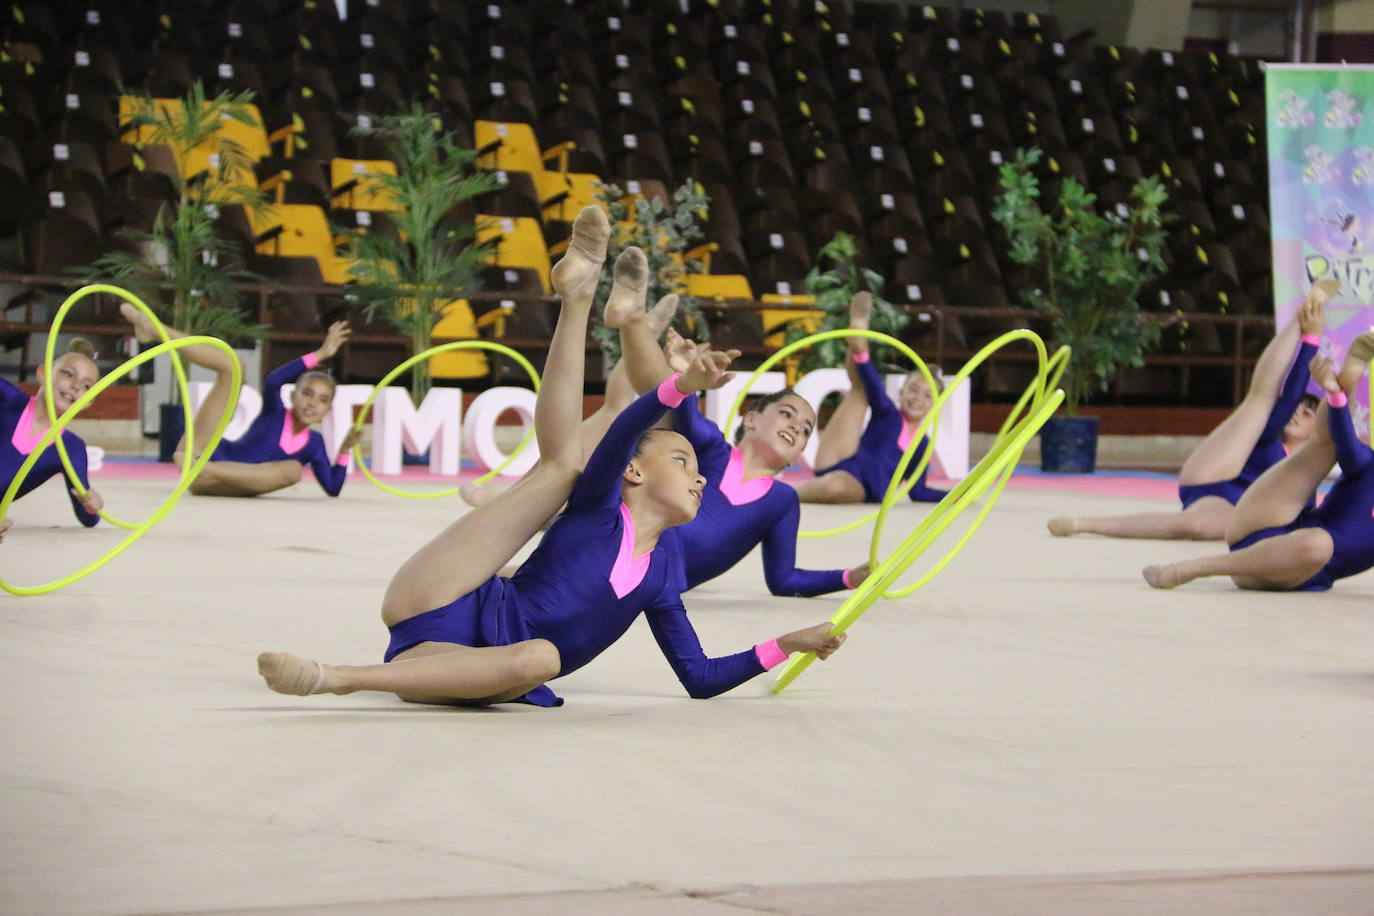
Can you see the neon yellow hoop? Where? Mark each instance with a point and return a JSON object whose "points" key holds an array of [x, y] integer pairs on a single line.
{"points": [[426, 354], [995, 469], [188, 474], [178, 370], [930, 421], [1034, 394]]}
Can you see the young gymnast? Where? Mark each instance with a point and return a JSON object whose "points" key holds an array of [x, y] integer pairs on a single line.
{"points": [[24, 421], [1274, 419], [279, 442], [462, 635], [1277, 539], [743, 504], [855, 463]]}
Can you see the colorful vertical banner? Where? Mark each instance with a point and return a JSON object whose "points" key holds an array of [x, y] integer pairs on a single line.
{"points": [[1321, 195]]}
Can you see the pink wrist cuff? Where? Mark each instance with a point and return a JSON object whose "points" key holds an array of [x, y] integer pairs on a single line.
{"points": [[769, 655], [861, 357], [311, 359], [668, 394], [1312, 339], [845, 579], [1336, 399], [345, 459]]}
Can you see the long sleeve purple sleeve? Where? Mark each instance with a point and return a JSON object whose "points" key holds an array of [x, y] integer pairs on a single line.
{"points": [[1352, 454], [1290, 395], [702, 677], [780, 561], [599, 484], [76, 450], [330, 474]]}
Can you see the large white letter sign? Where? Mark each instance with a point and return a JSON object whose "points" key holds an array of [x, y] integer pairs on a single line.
{"points": [[479, 429], [435, 426]]}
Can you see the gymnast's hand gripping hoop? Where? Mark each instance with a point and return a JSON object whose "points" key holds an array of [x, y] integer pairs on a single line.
{"points": [[1038, 403], [426, 354], [190, 468]]}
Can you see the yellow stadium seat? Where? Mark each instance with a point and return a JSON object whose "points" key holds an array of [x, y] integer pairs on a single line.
{"points": [[252, 139], [718, 286], [564, 194], [776, 320], [354, 192], [513, 147], [458, 321], [521, 244], [304, 232]]}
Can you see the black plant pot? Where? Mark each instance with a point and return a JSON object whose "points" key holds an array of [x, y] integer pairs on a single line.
{"points": [[1068, 445], [171, 427]]}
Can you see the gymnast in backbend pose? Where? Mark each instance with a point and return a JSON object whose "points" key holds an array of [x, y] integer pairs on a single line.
{"points": [[1276, 417], [462, 635], [270, 455], [855, 463], [743, 504], [24, 421], [1277, 539]]}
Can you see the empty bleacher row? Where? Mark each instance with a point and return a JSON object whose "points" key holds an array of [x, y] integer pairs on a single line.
{"points": [[799, 120]]}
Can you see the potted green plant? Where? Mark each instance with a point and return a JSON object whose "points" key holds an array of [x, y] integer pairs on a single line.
{"points": [[666, 234], [1090, 267], [182, 268], [833, 281], [410, 277]]}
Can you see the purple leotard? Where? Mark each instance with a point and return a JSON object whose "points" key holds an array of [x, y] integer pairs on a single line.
{"points": [[736, 515], [1347, 513], [881, 448], [270, 437], [17, 411], [583, 587], [1268, 450]]}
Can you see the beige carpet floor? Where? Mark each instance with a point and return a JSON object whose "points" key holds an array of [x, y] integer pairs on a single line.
{"points": [[1034, 732]]}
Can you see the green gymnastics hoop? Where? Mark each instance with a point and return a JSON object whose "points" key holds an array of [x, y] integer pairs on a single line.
{"points": [[178, 370], [425, 354], [930, 421], [188, 475], [994, 470]]}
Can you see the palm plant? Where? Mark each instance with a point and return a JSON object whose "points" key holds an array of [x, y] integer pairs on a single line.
{"points": [[180, 267], [412, 276]]}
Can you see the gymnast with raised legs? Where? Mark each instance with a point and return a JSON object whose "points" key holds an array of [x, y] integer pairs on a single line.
{"points": [[618, 395], [854, 462], [1275, 418], [744, 504], [1278, 539], [462, 635], [279, 442], [24, 421]]}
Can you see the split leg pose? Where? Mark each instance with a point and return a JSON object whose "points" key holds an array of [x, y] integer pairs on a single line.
{"points": [[1275, 418], [271, 454], [1277, 539], [619, 394], [462, 635], [855, 463]]}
